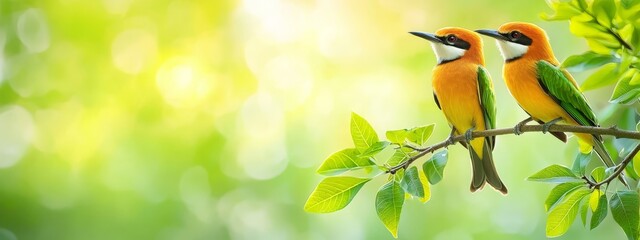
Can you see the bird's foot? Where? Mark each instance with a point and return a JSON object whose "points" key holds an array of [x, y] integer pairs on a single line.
{"points": [[518, 128], [547, 125], [468, 135]]}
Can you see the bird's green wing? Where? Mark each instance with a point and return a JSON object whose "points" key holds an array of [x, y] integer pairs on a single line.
{"points": [[487, 100], [555, 84]]}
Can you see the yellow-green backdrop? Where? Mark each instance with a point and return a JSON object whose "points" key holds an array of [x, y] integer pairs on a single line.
{"points": [[158, 119]]}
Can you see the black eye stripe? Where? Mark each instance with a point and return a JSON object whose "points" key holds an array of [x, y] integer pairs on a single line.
{"points": [[458, 42], [521, 38]]}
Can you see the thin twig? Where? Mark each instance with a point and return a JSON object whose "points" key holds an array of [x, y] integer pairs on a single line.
{"points": [[619, 169], [612, 131]]}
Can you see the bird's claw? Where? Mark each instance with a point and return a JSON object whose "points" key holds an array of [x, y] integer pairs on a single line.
{"points": [[468, 135], [518, 128], [547, 125]]}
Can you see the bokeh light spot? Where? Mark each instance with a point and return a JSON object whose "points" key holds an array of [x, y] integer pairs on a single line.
{"points": [[181, 84], [133, 50], [262, 153], [33, 30], [118, 7], [16, 126], [290, 78], [195, 192], [131, 170], [250, 219], [272, 15]]}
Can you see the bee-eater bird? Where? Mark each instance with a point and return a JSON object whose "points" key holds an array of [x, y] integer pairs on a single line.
{"points": [[547, 93], [463, 90]]}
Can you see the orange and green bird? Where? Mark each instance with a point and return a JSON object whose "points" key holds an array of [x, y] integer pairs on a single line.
{"points": [[463, 90], [547, 93]]}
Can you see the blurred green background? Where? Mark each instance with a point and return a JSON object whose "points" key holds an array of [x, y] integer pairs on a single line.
{"points": [[141, 119]]}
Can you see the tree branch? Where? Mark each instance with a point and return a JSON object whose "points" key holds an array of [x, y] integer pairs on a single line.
{"points": [[619, 169], [612, 131]]}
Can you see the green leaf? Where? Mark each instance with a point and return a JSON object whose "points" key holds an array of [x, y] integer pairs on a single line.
{"points": [[563, 11], [635, 80], [400, 155], [559, 192], [584, 209], [629, 3], [581, 162], [389, 202], [343, 161], [426, 186], [624, 208], [582, 4], [586, 61], [396, 176], [626, 32], [333, 194], [362, 133], [600, 46], [624, 92], [397, 136], [411, 182], [600, 213], [630, 171], [434, 167], [592, 30], [635, 40], [605, 76], [562, 216], [375, 149], [598, 174], [554, 174], [420, 135], [605, 11], [636, 163], [373, 171], [594, 199]]}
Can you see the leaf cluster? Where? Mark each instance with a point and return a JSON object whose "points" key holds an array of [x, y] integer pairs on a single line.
{"points": [[336, 192], [612, 31]]}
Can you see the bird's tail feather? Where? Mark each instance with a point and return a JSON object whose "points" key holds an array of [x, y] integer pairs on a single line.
{"points": [[600, 149], [484, 170]]}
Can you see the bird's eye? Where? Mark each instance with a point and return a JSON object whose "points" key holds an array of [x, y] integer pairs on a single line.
{"points": [[515, 34], [452, 39]]}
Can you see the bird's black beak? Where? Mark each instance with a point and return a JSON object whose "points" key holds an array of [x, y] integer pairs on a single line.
{"points": [[494, 34], [428, 36]]}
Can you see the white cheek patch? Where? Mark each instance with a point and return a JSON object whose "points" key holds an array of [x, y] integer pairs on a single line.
{"points": [[447, 53], [511, 50]]}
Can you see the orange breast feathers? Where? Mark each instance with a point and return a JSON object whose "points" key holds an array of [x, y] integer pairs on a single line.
{"points": [[456, 86]]}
